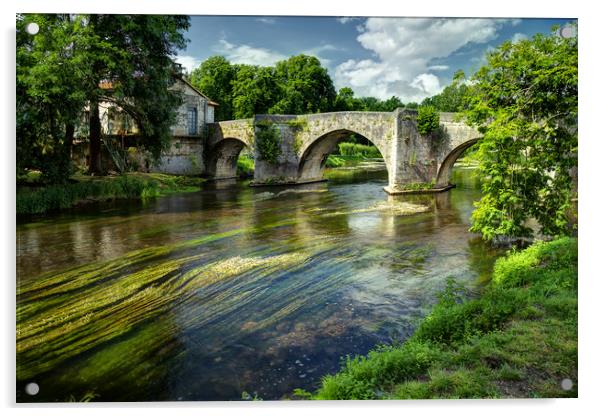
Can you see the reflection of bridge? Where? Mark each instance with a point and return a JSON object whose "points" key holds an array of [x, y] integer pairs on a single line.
{"points": [[305, 142]]}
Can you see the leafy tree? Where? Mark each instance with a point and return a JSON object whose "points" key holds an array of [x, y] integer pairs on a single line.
{"points": [[524, 101], [452, 98], [254, 90], [49, 98], [79, 60], [369, 103], [345, 101], [305, 85], [391, 104], [132, 55], [214, 77]]}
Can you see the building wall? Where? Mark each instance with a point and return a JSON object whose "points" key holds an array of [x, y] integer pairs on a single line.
{"points": [[184, 157], [191, 99]]}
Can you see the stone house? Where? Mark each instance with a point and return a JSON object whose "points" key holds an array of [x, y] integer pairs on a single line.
{"points": [[185, 155]]}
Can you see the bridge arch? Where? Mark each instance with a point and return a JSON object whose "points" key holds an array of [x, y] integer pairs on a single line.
{"points": [[312, 160], [444, 173], [223, 157]]}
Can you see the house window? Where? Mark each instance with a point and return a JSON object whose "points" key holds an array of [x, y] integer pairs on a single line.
{"points": [[192, 121]]}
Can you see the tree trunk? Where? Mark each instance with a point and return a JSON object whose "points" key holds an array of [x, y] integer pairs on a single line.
{"points": [[69, 133], [94, 168]]}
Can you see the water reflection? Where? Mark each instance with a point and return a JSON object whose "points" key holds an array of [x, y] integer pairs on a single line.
{"points": [[205, 295]]}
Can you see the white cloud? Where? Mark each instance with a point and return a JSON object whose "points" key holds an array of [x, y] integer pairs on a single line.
{"points": [[438, 68], [403, 48], [517, 37], [246, 54], [188, 62], [345, 20], [266, 20]]}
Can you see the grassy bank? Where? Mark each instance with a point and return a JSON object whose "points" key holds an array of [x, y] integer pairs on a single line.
{"points": [[84, 189], [518, 339]]}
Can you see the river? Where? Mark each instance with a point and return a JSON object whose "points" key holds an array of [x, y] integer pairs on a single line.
{"points": [[232, 289]]}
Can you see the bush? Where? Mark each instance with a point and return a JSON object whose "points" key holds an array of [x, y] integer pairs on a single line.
{"points": [[245, 166], [455, 319], [427, 120], [267, 140], [520, 268], [360, 150], [334, 161], [364, 377]]}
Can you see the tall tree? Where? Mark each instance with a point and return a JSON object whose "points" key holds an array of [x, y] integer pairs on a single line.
{"points": [[524, 101], [132, 68], [79, 60], [452, 98], [345, 101], [306, 86], [254, 90], [50, 98], [214, 78]]}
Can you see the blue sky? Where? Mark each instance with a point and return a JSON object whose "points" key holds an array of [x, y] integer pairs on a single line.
{"points": [[411, 58]]}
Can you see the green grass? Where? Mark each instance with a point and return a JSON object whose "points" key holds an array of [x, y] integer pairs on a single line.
{"points": [[86, 188], [518, 339]]}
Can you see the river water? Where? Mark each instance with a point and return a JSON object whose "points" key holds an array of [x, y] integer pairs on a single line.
{"points": [[232, 289]]}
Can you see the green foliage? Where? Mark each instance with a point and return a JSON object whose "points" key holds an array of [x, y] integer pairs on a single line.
{"points": [[524, 267], [130, 186], [245, 166], [345, 101], [254, 91], [297, 85], [60, 70], [427, 120], [56, 197], [361, 378], [524, 101], [334, 161], [453, 97], [247, 396], [267, 141], [419, 186], [299, 124], [49, 93], [518, 339], [301, 394], [305, 86], [353, 149], [214, 78]]}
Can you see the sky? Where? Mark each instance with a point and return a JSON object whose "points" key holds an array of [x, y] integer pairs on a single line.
{"points": [[411, 58]]}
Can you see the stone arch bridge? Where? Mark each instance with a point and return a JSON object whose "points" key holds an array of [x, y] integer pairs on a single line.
{"points": [[305, 142]]}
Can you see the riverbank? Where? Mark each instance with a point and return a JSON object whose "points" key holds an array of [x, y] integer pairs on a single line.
{"points": [[518, 339], [84, 189]]}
